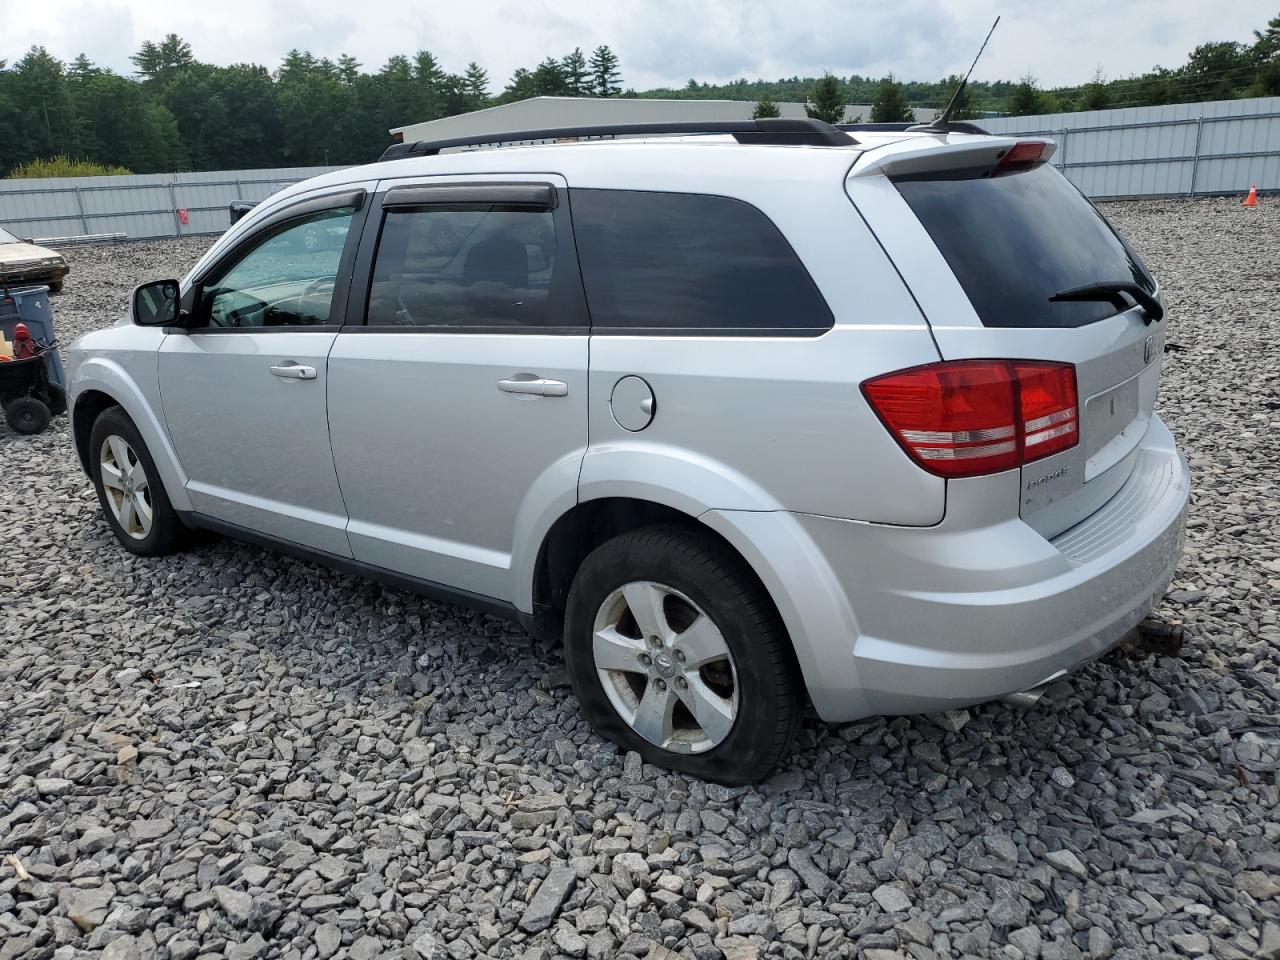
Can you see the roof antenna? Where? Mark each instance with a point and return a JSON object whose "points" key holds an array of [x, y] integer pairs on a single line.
{"points": [[941, 123]]}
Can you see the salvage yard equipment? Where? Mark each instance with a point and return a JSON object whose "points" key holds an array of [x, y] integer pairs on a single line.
{"points": [[29, 398], [31, 376]]}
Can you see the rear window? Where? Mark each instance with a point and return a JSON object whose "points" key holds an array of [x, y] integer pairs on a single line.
{"points": [[685, 262], [1015, 239]]}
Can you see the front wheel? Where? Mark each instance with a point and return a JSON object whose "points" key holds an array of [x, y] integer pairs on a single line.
{"points": [[129, 488], [675, 651]]}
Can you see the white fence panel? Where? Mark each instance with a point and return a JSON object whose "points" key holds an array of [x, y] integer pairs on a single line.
{"points": [[1190, 149], [140, 206]]}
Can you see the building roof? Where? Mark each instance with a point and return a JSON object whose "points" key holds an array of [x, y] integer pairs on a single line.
{"points": [[540, 113]]}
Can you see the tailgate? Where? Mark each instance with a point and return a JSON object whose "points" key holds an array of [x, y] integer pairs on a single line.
{"points": [[985, 247]]}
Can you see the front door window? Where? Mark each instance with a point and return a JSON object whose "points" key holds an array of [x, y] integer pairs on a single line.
{"points": [[285, 280]]}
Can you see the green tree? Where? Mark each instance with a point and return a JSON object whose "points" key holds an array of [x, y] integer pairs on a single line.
{"points": [[964, 106], [520, 87], [82, 68], [549, 79], [124, 125], [606, 76], [308, 109], [1026, 99], [348, 68], [1217, 71], [1095, 95], [576, 77], [475, 86], [765, 108], [1266, 56], [159, 61], [890, 104], [43, 109], [295, 65], [828, 100]]}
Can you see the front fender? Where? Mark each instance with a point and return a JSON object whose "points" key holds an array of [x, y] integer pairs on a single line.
{"points": [[107, 375]]}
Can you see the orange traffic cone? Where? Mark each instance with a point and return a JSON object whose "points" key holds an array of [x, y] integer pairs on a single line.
{"points": [[1252, 199]]}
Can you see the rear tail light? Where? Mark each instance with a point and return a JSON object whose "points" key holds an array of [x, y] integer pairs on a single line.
{"points": [[964, 418]]}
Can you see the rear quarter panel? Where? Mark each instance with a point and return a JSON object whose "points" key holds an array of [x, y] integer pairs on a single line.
{"points": [[771, 423]]}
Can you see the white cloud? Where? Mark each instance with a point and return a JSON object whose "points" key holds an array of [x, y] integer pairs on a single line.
{"points": [[660, 42]]}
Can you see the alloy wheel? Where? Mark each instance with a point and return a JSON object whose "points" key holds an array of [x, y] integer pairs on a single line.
{"points": [[127, 488], [665, 667]]}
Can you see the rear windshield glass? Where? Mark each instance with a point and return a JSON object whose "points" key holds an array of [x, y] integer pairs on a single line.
{"points": [[1016, 239]]}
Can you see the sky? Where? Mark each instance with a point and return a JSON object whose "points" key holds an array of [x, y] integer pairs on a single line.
{"points": [[660, 42]]}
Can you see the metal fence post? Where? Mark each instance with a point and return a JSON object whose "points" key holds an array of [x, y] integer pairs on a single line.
{"points": [[84, 223], [1062, 150], [173, 206], [1195, 157]]}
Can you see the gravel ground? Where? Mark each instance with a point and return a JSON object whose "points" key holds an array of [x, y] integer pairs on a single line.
{"points": [[236, 754]]}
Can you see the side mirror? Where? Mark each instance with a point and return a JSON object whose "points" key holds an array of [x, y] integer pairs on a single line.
{"points": [[238, 208], [155, 304]]}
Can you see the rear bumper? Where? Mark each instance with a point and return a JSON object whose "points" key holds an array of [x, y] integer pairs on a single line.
{"points": [[969, 610]]}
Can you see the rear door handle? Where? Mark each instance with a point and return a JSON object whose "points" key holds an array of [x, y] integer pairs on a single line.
{"points": [[534, 386], [293, 371]]}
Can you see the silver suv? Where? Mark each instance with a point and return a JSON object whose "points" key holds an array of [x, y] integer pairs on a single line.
{"points": [[751, 416]]}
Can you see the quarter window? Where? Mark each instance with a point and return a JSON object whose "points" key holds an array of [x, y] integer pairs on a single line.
{"points": [[287, 279], [684, 261], [463, 265]]}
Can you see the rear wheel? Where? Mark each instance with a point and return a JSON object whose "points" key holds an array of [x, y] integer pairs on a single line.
{"points": [[26, 415], [129, 488], [675, 652], [55, 286]]}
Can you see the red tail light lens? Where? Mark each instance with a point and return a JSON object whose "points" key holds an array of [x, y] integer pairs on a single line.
{"points": [[1047, 401], [964, 418], [1023, 154]]}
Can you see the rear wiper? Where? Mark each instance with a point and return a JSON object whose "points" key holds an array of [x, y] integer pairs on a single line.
{"points": [[1113, 291]]}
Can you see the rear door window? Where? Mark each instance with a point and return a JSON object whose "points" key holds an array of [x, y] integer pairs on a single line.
{"points": [[464, 265], [1015, 239], [690, 263]]}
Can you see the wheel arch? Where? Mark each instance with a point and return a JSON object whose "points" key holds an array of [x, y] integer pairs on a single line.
{"points": [[587, 525], [785, 563], [89, 405], [100, 383]]}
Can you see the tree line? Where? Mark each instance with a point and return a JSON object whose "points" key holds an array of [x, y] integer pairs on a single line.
{"points": [[177, 113], [1223, 70]]}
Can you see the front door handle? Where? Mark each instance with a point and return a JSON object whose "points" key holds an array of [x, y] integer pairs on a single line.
{"points": [[293, 371], [534, 386]]}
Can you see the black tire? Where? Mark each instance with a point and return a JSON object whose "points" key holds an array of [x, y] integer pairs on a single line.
{"points": [[26, 415], [55, 287], [697, 565], [56, 400], [167, 532]]}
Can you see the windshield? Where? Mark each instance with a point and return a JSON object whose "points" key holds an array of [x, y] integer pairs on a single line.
{"points": [[1015, 239], [7, 237]]}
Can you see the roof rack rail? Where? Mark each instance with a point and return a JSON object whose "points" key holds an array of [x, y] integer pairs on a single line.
{"points": [[953, 126], [795, 132]]}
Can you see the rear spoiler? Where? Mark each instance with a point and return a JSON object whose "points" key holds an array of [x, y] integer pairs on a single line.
{"points": [[920, 155]]}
